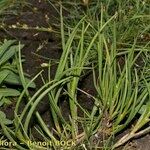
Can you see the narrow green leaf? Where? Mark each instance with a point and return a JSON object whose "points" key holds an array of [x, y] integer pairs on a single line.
{"points": [[8, 54], [3, 75], [14, 79], [4, 47], [4, 119], [5, 101], [142, 109], [9, 92]]}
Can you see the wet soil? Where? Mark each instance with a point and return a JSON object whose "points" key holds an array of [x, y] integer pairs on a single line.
{"points": [[39, 48]]}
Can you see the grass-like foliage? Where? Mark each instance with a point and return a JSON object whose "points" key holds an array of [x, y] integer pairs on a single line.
{"points": [[104, 42], [120, 96], [9, 7]]}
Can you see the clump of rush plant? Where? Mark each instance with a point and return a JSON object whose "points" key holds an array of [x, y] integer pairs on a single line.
{"points": [[72, 62], [122, 89], [120, 95]]}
